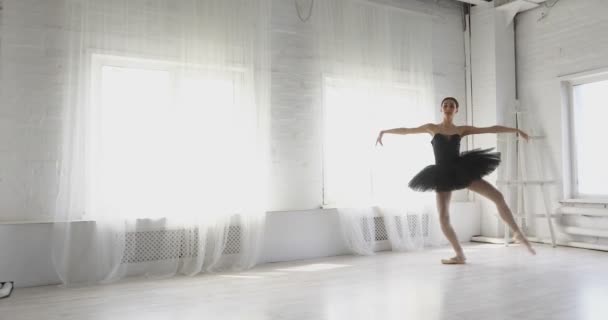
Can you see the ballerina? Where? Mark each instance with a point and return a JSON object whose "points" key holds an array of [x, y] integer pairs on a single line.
{"points": [[454, 170]]}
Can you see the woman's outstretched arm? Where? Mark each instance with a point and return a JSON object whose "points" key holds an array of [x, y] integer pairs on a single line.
{"points": [[425, 128], [493, 129]]}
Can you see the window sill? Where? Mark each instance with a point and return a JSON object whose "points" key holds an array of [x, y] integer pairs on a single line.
{"points": [[583, 201], [24, 222]]}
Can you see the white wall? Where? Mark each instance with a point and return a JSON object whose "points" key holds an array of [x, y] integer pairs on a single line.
{"points": [[572, 38], [30, 109], [25, 248], [296, 96]]}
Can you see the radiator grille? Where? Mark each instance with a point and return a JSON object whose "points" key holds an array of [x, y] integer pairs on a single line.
{"points": [[418, 225], [155, 245], [233, 243]]}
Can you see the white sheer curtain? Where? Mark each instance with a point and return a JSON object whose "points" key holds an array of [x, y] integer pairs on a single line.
{"points": [[164, 145], [377, 74]]}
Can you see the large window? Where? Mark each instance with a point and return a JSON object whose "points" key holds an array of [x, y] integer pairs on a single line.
{"points": [[589, 114], [355, 171], [165, 132]]}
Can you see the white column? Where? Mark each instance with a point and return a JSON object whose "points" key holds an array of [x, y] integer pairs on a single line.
{"points": [[493, 91]]}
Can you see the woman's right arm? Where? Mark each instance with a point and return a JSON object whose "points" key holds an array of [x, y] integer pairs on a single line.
{"points": [[425, 128]]}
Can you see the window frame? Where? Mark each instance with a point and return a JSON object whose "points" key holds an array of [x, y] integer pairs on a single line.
{"points": [[91, 98], [568, 82], [328, 78]]}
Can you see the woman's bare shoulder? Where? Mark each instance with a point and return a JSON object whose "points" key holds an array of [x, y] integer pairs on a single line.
{"points": [[431, 128]]}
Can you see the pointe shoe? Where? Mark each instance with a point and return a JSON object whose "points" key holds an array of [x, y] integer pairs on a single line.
{"points": [[519, 238], [6, 289], [454, 260]]}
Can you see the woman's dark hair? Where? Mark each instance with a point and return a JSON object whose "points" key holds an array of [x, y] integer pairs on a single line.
{"points": [[450, 98]]}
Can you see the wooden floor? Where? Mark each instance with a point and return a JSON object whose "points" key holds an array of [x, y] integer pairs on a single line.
{"points": [[498, 283]]}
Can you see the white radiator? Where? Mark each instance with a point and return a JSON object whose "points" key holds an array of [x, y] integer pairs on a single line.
{"points": [[416, 224], [154, 245]]}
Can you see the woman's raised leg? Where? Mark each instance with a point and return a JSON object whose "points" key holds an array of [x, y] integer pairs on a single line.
{"points": [[489, 191]]}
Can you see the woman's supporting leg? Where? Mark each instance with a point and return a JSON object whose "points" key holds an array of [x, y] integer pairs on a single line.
{"points": [[489, 191], [443, 206]]}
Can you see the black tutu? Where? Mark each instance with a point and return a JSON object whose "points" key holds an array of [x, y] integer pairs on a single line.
{"points": [[454, 171]]}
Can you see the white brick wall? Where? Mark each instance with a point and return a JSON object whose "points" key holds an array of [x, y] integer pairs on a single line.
{"points": [[29, 110], [484, 78], [572, 38], [493, 92], [30, 106], [297, 179]]}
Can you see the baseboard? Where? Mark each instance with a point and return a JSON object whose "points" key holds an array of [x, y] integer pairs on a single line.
{"points": [[485, 239], [571, 244]]}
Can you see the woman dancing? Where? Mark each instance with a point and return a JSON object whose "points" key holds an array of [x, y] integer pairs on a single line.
{"points": [[454, 170]]}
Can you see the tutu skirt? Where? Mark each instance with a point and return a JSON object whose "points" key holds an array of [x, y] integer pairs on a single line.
{"points": [[457, 174]]}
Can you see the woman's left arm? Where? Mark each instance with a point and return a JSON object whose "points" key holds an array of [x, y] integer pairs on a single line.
{"points": [[493, 129]]}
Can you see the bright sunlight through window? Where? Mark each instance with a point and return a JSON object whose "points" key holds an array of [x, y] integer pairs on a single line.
{"points": [[156, 133], [590, 113], [356, 172]]}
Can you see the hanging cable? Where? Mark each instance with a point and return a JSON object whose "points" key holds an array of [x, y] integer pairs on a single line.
{"points": [[549, 7], [312, 3]]}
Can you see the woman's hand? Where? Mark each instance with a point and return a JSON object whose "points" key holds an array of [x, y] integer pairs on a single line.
{"points": [[379, 140], [523, 135]]}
